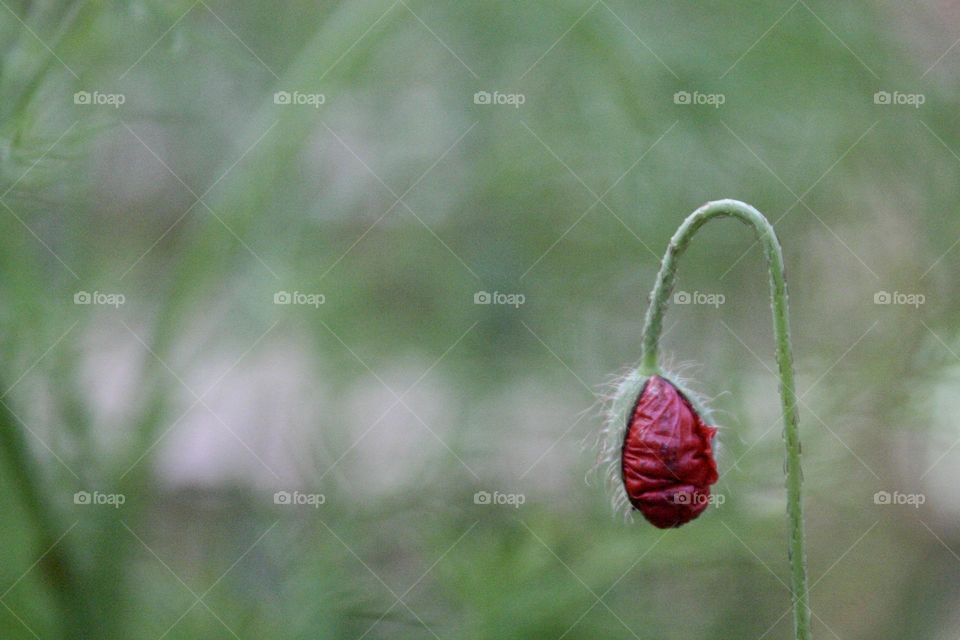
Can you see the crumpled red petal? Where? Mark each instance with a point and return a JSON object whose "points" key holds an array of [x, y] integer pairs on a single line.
{"points": [[667, 462]]}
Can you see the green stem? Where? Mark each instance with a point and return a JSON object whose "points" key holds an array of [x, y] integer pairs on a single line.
{"points": [[659, 298], [58, 564]]}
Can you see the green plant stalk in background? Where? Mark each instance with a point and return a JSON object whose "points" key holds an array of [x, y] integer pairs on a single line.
{"points": [[60, 571], [781, 326]]}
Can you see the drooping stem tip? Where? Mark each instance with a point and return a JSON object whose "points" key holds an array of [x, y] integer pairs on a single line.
{"points": [[650, 365]]}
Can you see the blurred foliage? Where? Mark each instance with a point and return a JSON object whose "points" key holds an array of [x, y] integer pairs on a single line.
{"points": [[399, 398]]}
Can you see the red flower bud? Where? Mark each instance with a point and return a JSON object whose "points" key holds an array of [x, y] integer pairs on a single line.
{"points": [[667, 461]]}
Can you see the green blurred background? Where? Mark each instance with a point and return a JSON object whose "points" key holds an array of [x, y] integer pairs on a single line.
{"points": [[400, 198]]}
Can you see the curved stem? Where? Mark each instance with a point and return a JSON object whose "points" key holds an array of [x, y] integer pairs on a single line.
{"points": [[781, 326]]}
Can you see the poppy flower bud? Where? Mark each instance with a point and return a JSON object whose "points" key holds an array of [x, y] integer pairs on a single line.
{"points": [[666, 462]]}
